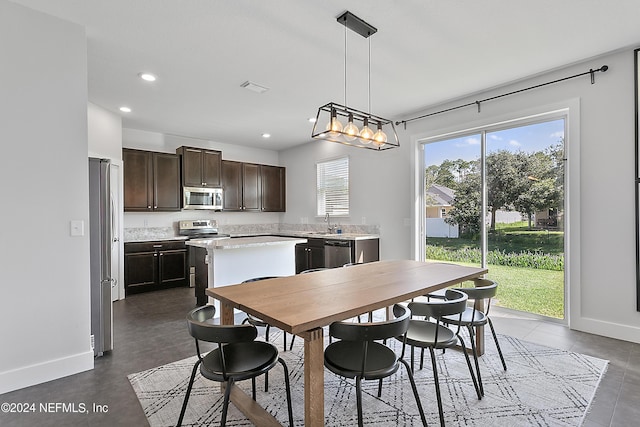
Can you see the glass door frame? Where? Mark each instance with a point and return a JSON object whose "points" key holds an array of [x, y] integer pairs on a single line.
{"points": [[482, 130]]}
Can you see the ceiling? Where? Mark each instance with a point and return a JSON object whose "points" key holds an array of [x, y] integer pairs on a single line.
{"points": [[425, 52]]}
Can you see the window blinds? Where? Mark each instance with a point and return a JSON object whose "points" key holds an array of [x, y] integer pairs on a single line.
{"points": [[332, 187]]}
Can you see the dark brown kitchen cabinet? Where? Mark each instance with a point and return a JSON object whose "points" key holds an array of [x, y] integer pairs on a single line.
{"points": [[150, 266], [252, 187], [151, 181], [273, 188], [309, 255], [200, 167], [240, 186]]}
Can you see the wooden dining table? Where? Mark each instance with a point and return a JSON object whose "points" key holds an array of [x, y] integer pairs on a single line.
{"points": [[304, 304]]}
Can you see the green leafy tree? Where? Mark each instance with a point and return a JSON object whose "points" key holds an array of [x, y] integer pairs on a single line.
{"points": [[467, 203]]}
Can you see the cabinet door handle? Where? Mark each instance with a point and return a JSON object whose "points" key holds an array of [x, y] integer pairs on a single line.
{"points": [[155, 254], [157, 246], [149, 207]]}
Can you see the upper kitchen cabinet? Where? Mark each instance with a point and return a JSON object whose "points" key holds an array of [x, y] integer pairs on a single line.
{"points": [[273, 188], [151, 181], [253, 187], [200, 167], [240, 186]]}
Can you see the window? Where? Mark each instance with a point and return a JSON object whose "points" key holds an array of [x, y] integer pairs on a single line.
{"points": [[332, 187]]}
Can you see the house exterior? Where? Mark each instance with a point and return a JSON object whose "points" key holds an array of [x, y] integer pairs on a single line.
{"points": [[438, 203], [48, 136]]}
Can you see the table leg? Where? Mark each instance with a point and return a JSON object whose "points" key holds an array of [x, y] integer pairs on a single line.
{"points": [[226, 314], [314, 378]]}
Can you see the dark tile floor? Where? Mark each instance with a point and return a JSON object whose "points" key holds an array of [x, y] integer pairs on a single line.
{"points": [[149, 330]]}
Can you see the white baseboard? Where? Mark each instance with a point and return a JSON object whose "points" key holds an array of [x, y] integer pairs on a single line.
{"points": [[49, 370], [607, 329]]}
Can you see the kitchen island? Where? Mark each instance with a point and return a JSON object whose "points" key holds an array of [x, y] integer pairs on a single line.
{"points": [[224, 262]]}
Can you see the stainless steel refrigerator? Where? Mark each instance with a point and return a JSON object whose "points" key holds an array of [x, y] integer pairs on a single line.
{"points": [[100, 237]]}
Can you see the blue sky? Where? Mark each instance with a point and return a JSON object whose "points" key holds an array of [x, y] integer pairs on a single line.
{"points": [[531, 138]]}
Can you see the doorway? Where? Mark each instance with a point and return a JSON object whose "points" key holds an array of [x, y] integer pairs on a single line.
{"points": [[495, 198]]}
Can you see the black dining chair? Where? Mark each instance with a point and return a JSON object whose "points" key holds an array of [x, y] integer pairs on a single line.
{"points": [[237, 357], [259, 322], [483, 290], [359, 355], [430, 331]]}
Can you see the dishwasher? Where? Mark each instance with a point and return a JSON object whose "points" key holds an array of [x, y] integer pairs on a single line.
{"points": [[336, 253]]}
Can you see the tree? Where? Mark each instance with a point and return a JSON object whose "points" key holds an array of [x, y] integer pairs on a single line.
{"points": [[467, 203], [506, 180]]}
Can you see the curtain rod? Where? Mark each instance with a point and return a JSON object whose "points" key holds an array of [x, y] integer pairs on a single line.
{"points": [[477, 103]]}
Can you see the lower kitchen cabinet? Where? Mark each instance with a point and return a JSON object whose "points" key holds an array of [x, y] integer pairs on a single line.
{"points": [[150, 266], [309, 255], [331, 253]]}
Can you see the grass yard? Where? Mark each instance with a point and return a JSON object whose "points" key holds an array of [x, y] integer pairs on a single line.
{"points": [[528, 289], [535, 290]]}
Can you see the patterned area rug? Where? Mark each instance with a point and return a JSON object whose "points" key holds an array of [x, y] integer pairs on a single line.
{"points": [[542, 387]]}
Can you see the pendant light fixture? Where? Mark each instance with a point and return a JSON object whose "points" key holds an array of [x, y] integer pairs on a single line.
{"points": [[346, 125]]}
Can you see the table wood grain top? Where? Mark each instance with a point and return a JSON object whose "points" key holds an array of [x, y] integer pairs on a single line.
{"points": [[307, 301]]}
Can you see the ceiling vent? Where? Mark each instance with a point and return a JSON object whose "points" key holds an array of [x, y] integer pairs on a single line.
{"points": [[254, 87]]}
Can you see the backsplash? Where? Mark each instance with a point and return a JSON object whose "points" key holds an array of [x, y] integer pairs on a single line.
{"points": [[159, 233], [149, 233]]}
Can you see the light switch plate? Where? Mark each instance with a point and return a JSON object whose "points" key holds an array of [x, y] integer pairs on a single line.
{"points": [[77, 227]]}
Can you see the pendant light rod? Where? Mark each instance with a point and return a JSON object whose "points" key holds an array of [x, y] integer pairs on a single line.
{"points": [[356, 24]]}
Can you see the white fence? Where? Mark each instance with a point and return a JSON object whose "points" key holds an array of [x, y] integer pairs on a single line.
{"points": [[436, 227]]}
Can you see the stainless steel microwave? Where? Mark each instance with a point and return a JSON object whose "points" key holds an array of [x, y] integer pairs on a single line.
{"points": [[202, 198]]}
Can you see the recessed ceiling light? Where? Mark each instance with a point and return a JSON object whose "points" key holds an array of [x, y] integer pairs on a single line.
{"points": [[147, 77], [266, 135], [125, 109]]}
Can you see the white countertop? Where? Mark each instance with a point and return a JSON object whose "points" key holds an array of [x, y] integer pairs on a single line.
{"points": [[244, 242], [332, 236]]}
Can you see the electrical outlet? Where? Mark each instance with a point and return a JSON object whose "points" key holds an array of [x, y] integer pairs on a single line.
{"points": [[364, 220], [145, 223], [77, 227]]}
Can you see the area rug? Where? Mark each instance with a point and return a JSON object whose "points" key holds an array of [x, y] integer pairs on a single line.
{"points": [[542, 387]]}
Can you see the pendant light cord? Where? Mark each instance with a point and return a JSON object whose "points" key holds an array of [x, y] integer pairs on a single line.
{"points": [[345, 65]]}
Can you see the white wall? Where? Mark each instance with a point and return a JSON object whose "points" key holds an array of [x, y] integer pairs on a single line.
{"points": [[154, 141], [104, 133], [380, 190], [601, 270], [44, 272]]}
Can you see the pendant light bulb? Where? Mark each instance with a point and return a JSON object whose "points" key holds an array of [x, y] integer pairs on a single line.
{"points": [[379, 138], [350, 130], [334, 126], [366, 134]]}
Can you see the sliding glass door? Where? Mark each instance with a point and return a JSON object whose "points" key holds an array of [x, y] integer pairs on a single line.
{"points": [[496, 198]]}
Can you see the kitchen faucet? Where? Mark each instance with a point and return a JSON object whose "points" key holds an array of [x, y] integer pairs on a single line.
{"points": [[327, 219]]}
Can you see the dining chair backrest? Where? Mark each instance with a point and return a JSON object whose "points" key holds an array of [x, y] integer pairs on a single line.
{"points": [[373, 331], [454, 302], [311, 270], [200, 328], [483, 289], [257, 279]]}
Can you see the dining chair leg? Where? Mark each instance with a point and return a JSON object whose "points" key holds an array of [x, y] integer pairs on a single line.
{"points": [[421, 358], [472, 336], [285, 340], [287, 385], [293, 338], [186, 397], [495, 338], [225, 405], [359, 400], [437, 385], [380, 387], [415, 391], [473, 376], [253, 388]]}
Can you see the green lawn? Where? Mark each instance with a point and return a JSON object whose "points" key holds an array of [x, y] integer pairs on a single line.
{"points": [[528, 289]]}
